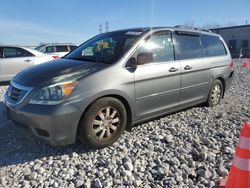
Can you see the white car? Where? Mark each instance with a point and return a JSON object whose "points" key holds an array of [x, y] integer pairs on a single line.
{"points": [[13, 59], [57, 50]]}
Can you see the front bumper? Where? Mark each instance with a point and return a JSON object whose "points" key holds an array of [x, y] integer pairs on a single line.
{"points": [[54, 124]]}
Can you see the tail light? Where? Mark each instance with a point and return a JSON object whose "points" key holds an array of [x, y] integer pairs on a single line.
{"points": [[55, 56]]}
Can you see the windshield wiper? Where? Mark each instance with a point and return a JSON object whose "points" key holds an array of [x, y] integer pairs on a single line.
{"points": [[97, 61], [89, 60]]}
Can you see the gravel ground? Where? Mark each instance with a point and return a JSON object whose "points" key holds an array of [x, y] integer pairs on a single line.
{"points": [[191, 148]]}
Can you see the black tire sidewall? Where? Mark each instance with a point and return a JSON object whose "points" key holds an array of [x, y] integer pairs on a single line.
{"points": [[209, 100], [85, 130]]}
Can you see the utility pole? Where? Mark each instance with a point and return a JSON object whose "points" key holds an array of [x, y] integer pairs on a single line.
{"points": [[100, 28], [106, 26]]}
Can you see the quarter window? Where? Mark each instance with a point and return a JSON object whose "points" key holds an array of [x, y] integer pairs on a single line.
{"points": [[190, 46], [9, 52], [161, 46], [62, 49], [213, 45]]}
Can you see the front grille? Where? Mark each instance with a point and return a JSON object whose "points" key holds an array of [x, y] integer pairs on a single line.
{"points": [[16, 93]]}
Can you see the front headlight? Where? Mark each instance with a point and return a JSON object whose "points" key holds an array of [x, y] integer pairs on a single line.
{"points": [[54, 94]]}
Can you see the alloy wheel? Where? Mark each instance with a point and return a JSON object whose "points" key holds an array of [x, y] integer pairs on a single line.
{"points": [[106, 123], [216, 94]]}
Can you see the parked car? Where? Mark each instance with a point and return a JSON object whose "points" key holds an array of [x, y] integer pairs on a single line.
{"points": [[56, 49], [13, 59], [117, 79]]}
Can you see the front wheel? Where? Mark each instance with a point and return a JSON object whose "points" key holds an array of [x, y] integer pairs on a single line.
{"points": [[103, 123], [215, 94]]}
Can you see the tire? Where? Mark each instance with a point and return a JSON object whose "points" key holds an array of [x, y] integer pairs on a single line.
{"points": [[101, 127], [215, 94]]}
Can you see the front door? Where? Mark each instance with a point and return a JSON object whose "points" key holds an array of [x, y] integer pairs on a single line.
{"points": [[157, 83]]}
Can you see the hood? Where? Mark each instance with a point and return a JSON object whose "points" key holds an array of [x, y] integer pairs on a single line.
{"points": [[56, 71]]}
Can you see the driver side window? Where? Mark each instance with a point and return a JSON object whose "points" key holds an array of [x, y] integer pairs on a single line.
{"points": [[160, 46]]}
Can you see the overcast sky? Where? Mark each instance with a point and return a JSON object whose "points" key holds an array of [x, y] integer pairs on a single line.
{"points": [[29, 22]]}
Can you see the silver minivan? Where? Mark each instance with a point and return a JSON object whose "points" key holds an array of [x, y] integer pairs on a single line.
{"points": [[117, 79]]}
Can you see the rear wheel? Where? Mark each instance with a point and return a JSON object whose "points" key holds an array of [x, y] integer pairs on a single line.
{"points": [[215, 94], [103, 123]]}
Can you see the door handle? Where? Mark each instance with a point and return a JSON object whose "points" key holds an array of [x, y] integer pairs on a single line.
{"points": [[172, 69], [27, 60], [187, 67]]}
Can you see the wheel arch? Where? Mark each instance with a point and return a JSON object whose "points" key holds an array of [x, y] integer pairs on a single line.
{"points": [[220, 78], [122, 99]]}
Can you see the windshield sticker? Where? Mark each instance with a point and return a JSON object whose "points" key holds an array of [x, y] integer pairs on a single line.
{"points": [[133, 33]]}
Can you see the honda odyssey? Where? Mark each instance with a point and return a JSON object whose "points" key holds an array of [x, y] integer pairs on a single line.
{"points": [[117, 79]]}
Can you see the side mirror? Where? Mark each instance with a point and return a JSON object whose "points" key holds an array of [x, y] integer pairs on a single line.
{"points": [[146, 57], [131, 63]]}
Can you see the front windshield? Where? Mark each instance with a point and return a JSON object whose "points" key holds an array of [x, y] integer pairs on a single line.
{"points": [[38, 48], [105, 48]]}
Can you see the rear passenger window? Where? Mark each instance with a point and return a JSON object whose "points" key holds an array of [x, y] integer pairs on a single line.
{"points": [[213, 45], [161, 46], [62, 49], [190, 46]]}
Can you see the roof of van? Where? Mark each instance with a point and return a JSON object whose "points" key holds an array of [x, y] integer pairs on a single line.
{"points": [[176, 28]]}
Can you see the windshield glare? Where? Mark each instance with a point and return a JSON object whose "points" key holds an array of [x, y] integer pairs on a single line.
{"points": [[105, 48]]}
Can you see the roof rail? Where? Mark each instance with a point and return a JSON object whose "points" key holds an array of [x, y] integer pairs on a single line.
{"points": [[58, 43], [193, 28]]}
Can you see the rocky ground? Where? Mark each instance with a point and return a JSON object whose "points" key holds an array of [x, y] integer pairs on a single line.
{"points": [[191, 148]]}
